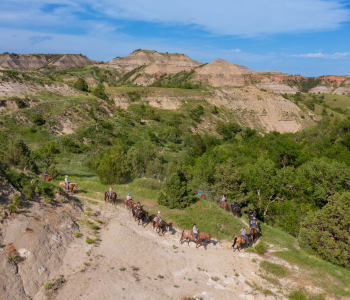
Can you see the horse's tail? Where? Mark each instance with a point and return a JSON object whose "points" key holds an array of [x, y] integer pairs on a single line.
{"points": [[182, 235], [234, 242]]}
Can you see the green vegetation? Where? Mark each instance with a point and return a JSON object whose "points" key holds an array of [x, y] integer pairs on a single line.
{"points": [[277, 270]]}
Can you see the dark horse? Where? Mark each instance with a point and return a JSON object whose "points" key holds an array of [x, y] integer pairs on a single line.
{"points": [[223, 205], [204, 197], [160, 225], [236, 210], [113, 197], [140, 215], [254, 233]]}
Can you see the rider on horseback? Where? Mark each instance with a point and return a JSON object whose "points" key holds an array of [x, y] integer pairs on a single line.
{"points": [[159, 217], [222, 200], [195, 231], [243, 233], [45, 174], [199, 192], [110, 192], [138, 207], [254, 223], [235, 203], [67, 182], [128, 197]]}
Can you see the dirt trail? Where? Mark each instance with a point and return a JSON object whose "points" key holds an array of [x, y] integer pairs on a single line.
{"points": [[157, 267]]}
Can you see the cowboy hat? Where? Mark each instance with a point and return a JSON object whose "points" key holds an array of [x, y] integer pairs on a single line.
{"points": [[66, 175], [159, 212]]}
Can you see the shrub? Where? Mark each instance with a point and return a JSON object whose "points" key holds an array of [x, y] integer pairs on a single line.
{"points": [[48, 286], [297, 295], [29, 196], [81, 85], [122, 269], [260, 248], [78, 235], [277, 270], [38, 120], [89, 241], [176, 192], [100, 92]]}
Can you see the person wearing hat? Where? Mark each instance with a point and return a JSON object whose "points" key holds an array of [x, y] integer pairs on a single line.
{"points": [[159, 217], [222, 200], [195, 231], [67, 182], [243, 233], [235, 203], [45, 174], [128, 197], [254, 223], [138, 207]]}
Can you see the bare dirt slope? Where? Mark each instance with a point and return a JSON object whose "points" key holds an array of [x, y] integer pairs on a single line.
{"points": [[220, 72], [147, 57], [29, 62]]}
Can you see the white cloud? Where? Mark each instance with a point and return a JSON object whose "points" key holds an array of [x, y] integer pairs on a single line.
{"points": [[35, 39], [336, 55], [221, 17]]}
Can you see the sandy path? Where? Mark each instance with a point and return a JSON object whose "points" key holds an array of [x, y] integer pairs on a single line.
{"points": [[186, 271]]}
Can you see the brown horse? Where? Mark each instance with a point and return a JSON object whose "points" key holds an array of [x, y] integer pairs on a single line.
{"points": [[113, 197], [160, 225], [204, 197], [49, 178], [236, 210], [131, 204], [188, 235], [254, 233], [241, 240], [140, 215], [71, 187], [223, 205]]}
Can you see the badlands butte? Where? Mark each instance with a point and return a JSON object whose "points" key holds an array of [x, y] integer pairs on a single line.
{"points": [[68, 109]]}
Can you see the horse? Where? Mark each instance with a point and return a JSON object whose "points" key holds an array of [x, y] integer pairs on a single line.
{"points": [[140, 215], [236, 210], [125, 202], [131, 204], [161, 225], [254, 233], [204, 197], [49, 178], [113, 197], [188, 235], [223, 205], [241, 240], [71, 186]]}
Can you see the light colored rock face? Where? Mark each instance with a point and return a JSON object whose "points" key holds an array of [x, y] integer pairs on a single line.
{"points": [[342, 90], [146, 57], [29, 62], [17, 89], [91, 81], [321, 89], [258, 109], [145, 80], [277, 88], [220, 72]]}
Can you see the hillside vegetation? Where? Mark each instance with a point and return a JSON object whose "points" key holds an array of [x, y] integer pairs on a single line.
{"points": [[198, 139]]}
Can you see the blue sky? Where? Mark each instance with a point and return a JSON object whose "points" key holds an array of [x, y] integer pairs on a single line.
{"points": [[307, 37]]}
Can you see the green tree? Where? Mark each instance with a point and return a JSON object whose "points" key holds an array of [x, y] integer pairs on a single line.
{"points": [[176, 192], [227, 179], [81, 85], [114, 166], [327, 231]]}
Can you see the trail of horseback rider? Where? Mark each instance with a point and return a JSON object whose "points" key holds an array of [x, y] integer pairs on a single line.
{"points": [[243, 233], [254, 224], [222, 200], [195, 231]]}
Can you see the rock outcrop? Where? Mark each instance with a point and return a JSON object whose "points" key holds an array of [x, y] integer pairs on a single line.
{"points": [[30, 62], [220, 72]]}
